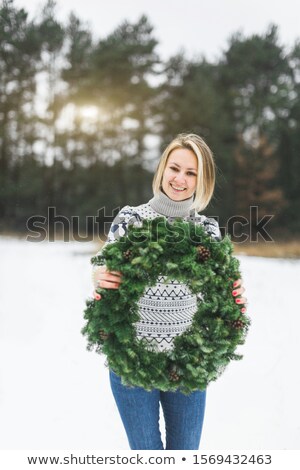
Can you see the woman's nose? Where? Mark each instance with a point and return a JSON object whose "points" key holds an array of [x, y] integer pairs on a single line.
{"points": [[180, 178]]}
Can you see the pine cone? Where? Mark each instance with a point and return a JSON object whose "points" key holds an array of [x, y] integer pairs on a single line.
{"points": [[103, 335], [127, 254], [202, 253], [174, 377], [238, 324]]}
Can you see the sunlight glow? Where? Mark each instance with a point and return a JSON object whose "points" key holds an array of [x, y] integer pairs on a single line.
{"points": [[88, 112], [87, 116]]}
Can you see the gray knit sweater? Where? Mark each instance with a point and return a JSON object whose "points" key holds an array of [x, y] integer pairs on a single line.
{"points": [[166, 310]]}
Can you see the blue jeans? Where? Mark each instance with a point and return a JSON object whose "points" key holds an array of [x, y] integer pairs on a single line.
{"points": [[139, 411]]}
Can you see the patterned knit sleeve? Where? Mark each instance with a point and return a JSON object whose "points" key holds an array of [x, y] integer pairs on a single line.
{"points": [[212, 228], [211, 225], [118, 228]]}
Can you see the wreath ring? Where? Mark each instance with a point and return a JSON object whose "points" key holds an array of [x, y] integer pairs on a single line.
{"points": [[183, 251]]}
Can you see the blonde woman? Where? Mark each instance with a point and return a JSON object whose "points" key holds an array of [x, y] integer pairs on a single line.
{"points": [[183, 185]]}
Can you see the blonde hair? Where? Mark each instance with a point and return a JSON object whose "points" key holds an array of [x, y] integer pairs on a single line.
{"points": [[206, 173]]}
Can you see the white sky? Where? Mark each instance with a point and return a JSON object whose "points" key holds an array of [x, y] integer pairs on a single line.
{"points": [[198, 26]]}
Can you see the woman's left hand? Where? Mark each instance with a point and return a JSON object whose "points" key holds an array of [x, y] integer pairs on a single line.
{"points": [[237, 291]]}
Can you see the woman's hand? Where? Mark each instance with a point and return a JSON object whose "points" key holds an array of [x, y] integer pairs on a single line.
{"points": [[107, 280], [237, 292]]}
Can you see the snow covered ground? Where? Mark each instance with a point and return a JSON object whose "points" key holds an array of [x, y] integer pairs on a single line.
{"points": [[54, 394]]}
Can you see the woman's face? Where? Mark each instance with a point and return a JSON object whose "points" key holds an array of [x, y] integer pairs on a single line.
{"points": [[180, 174]]}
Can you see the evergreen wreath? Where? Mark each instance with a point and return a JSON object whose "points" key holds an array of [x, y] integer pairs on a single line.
{"points": [[183, 251]]}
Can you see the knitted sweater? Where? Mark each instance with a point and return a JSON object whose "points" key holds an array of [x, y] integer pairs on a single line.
{"points": [[166, 309]]}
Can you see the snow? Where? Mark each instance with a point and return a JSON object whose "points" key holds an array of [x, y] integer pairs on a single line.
{"points": [[54, 394]]}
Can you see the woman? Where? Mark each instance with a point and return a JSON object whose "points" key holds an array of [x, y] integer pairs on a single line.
{"points": [[183, 184]]}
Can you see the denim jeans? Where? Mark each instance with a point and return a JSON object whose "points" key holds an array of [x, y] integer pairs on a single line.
{"points": [[139, 411]]}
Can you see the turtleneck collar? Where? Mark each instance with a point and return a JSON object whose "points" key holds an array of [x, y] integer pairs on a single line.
{"points": [[162, 204]]}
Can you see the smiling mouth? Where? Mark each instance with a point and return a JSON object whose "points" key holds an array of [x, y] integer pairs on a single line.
{"points": [[176, 188]]}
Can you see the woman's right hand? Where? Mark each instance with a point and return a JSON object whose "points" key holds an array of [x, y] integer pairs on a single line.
{"points": [[107, 280]]}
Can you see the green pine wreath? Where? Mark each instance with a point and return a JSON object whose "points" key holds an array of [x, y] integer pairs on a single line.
{"points": [[178, 250]]}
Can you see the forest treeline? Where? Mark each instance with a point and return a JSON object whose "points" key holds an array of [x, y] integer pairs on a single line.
{"points": [[83, 120]]}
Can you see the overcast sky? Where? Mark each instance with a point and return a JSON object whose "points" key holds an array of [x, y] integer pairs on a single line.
{"points": [[197, 26]]}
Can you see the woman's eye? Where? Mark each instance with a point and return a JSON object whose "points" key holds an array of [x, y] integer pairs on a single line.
{"points": [[190, 173]]}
